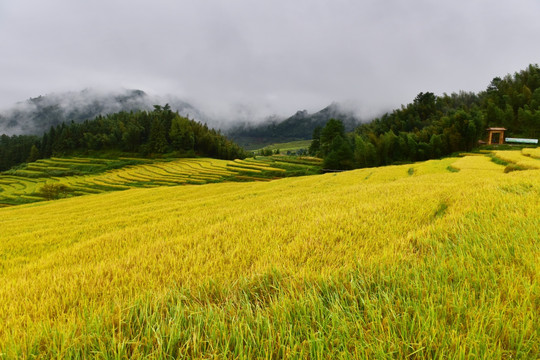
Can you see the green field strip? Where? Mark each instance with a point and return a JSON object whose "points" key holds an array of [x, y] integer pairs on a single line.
{"points": [[133, 158], [243, 169], [128, 178], [74, 160], [220, 171], [10, 196], [18, 186], [16, 178], [169, 178], [205, 178], [134, 174], [255, 162], [302, 160], [296, 165], [168, 183], [115, 179], [207, 167], [174, 168], [258, 165], [206, 172], [184, 172], [25, 173], [107, 188], [85, 167], [30, 197], [196, 181], [191, 165], [210, 176], [29, 190], [160, 172], [8, 189], [39, 166], [100, 183], [139, 174], [45, 168], [85, 190], [244, 165], [153, 175], [152, 171], [172, 172], [251, 178]]}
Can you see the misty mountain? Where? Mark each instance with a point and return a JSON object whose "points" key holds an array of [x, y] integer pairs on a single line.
{"points": [[299, 126], [36, 115]]}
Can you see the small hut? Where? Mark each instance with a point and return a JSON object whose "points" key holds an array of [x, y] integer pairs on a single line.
{"points": [[496, 135]]}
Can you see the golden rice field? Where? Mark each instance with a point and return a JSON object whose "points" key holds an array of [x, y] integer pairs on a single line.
{"points": [[521, 158], [532, 152], [433, 260]]}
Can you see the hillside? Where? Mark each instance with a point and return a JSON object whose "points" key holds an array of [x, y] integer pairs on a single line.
{"points": [[299, 126], [433, 126], [157, 133], [427, 260]]}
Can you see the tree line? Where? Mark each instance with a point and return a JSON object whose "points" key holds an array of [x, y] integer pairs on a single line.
{"points": [[434, 126], [147, 133]]}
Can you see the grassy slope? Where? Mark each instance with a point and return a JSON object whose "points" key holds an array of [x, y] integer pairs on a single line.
{"points": [[402, 261], [288, 146]]}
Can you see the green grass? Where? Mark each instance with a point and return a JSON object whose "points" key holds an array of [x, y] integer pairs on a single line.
{"points": [[288, 146]]}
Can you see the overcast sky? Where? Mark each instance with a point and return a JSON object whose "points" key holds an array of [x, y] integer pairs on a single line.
{"points": [[265, 57]]}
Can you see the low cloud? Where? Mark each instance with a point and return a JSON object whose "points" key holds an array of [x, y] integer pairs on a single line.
{"points": [[242, 60]]}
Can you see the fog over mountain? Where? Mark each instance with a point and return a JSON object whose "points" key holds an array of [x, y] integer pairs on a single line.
{"points": [[243, 59], [299, 126], [38, 114]]}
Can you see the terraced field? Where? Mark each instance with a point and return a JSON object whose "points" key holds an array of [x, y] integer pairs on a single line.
{"points": [[534, 153], [23, 185], [520, 159], [432, 260]]}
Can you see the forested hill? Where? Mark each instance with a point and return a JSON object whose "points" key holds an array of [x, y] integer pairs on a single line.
{"points": [[300, 126], [36, 115], [143, 132], [433, 126], [512, 102]]}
